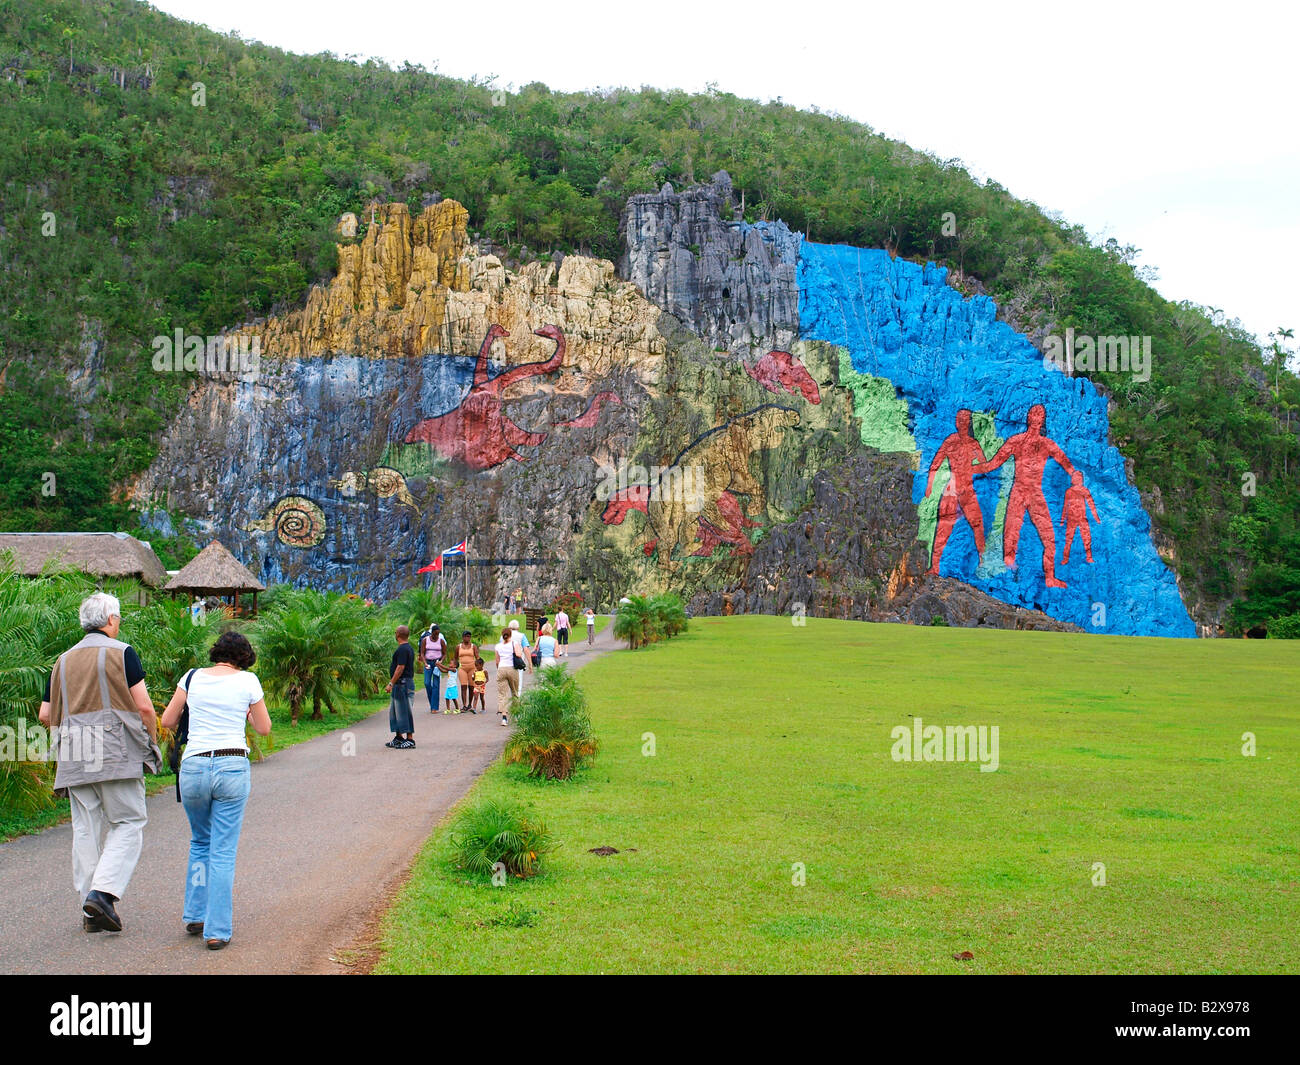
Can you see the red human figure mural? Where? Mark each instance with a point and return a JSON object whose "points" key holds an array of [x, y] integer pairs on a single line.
{"points": [[962, 451], [1074, 516], [1031, 450], [478, 433]]}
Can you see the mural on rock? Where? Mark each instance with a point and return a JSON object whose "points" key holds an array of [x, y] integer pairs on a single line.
{"points": [[945, 353], [789, 423]]}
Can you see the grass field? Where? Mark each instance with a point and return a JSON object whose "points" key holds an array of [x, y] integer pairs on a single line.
{"points": [[773, 747], [283, 734]]}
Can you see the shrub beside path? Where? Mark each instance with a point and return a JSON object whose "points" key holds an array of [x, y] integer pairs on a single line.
{"points": [[326, 839]]}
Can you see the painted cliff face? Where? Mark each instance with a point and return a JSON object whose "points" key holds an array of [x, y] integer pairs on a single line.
{"points": [[428, 395]]}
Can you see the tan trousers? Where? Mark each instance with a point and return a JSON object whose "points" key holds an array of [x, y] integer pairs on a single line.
{"points": [[507, 687], [119, 807]]}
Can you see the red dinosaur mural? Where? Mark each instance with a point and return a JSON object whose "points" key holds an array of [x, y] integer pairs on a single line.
{"points": [[478, 433], [780, 369], [588, 417]]}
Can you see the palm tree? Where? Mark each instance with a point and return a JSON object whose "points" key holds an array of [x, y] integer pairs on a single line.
{"points": [[669, 614], [307, 643]]}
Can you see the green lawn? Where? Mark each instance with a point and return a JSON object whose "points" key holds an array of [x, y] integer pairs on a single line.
{"points": [[283, 734], [773, 747]]}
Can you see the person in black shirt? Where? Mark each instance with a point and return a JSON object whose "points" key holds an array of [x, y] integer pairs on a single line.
{"points": [[401, 684]]}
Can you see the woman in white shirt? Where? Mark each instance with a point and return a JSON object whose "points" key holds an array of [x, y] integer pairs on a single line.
{"points": [[215, 778], [507, 675]]}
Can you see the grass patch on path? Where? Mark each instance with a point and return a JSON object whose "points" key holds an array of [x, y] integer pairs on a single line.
{"points": [[1122, 751]]}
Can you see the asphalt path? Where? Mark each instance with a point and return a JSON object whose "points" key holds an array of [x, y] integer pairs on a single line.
{"points": [[327, 836]]}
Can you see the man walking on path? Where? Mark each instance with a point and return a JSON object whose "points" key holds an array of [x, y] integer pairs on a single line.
{"points": [[95, 690], [402, 686], [562, 633]]}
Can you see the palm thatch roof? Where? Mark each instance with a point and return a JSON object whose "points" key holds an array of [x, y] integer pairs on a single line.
{"points": [[101, 554], [214, 571]]}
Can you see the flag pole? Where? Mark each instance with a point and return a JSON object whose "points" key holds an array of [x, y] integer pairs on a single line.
{"points": [[466, 571]]}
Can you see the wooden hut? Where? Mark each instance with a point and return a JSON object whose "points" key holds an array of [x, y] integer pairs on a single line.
{"points": [[214, 571], [102, 555]]}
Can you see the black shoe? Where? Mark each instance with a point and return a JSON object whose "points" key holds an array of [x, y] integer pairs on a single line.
{"points": [[394, 742], [93, 924], [194, 928], [100, 905]]}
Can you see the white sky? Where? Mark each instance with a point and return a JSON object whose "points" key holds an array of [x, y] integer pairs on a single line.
{"points": [[1170, 126]]}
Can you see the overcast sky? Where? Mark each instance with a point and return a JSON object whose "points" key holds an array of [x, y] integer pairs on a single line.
{"points": [[1170, 126]]}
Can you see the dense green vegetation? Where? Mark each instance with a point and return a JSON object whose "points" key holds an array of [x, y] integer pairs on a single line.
{"points": [[765, 826], [128, 212]]}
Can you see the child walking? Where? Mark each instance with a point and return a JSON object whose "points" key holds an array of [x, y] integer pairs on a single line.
{"points": [[480, 686], [451, 690]]}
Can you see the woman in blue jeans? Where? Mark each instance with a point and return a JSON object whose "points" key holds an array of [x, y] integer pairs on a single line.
{"points": [[215, 778]]}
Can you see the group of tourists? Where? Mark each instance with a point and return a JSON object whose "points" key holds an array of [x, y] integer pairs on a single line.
{"points": [[96, 692]]}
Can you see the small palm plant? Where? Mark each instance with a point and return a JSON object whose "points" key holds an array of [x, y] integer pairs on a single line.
{"points": [[669, 614], [493, 833], [552, 729], [634, 622]]}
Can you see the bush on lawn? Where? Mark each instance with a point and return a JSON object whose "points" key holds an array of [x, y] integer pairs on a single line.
{"points": [[552, 729], [493, 832]]}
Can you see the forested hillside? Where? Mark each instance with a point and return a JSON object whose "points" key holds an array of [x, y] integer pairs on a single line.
{"points": [[155, 175]]}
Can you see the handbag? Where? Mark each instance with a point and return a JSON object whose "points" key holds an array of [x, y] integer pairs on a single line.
{"points": [[182, 735], [518, 662]]}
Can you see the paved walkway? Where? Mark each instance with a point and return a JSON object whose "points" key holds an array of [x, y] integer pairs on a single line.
{"points": [[326, 837]]}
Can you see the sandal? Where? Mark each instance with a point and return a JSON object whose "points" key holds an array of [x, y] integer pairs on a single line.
{"points": [[194, 928], [218, 944]]}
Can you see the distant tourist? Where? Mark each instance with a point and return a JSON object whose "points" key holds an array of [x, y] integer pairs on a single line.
{"points": [[433, 646], [562, 633], [451, 691], [546, 648], [466, 656], [510, 666], [96, 689], [591, 626], [401, 683], [215, 778]]}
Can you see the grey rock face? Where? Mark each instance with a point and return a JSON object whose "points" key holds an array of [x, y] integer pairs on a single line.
{"points": [[732, 283]]}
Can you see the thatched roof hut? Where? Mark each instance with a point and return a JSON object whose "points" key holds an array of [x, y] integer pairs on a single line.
{"points": [[214, 571], [100, 554]]}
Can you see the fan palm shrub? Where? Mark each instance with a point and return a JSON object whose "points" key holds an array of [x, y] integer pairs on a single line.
{"points": [[493, 832], [634, 622], [307, 644], [553, 731], [668, 613]]}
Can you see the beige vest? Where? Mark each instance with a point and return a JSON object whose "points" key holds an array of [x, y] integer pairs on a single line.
{"points": [[96, 732]]}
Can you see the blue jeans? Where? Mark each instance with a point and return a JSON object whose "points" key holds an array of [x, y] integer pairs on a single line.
{"points": [[214, 792], [432, 682]]}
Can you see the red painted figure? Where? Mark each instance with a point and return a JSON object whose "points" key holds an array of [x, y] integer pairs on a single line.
{"points": [[477, 432], [1031, 450], [1074, 516], [962, 452]]}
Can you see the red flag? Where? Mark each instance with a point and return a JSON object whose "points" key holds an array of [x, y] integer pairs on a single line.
{"points": [[433, 567]]}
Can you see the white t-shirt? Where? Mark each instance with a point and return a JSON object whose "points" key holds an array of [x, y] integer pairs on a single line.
{"points": [[218, 710], [591, 621], [506, 649]]}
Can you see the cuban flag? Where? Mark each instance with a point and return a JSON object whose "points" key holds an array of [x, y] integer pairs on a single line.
{"points": [[460, 549], [434, 567]]}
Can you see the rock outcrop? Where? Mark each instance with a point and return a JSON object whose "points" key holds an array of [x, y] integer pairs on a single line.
{"points": [[731, 282]]}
